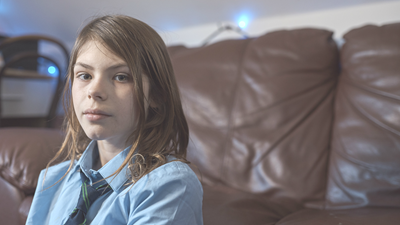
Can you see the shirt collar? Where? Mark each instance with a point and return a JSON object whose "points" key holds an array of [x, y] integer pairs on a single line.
{"points": [[116, 181]]}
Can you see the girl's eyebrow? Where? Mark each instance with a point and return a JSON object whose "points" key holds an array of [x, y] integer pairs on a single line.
{"points": [[84, 65], [116, 66]]}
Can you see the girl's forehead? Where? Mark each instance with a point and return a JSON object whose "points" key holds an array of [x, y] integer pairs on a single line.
{"points": [[92, 50]]}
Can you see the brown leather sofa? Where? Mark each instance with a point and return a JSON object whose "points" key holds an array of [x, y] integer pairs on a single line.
{"points": [[24, 152], [285, 129]]}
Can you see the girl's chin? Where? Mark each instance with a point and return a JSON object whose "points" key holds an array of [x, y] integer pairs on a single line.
{"points": [[97, 135]]}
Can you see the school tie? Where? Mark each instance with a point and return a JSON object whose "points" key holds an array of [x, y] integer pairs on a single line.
{"points": [[87, 196]]}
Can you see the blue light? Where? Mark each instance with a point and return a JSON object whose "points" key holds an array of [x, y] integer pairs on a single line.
{"points": [[243, 21], [51, 70], [242, 24]]}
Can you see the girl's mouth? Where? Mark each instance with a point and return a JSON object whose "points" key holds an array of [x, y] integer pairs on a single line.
{"points": [[95, 114]]}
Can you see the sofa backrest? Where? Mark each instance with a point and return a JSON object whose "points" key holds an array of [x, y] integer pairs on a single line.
{"points": [[260, 111], [365, 158]]}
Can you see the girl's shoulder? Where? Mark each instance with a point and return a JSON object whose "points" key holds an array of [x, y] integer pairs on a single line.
{"points": [[58, 168], [54, 173], [174, 174], [175, 170], [171, 192], [174, 166]]}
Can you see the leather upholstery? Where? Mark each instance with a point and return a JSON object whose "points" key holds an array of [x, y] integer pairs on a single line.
{"points": [[10, 200], [224, 205], [362, 216], [256, 107], [24, 152], [261, 112], [284, 129], [365, 157]]}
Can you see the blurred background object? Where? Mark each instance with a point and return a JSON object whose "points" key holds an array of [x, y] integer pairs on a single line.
{"points": [[22, 64]]}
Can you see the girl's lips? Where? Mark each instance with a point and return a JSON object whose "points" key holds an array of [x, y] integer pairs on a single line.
{"points": [[95, 111], [95, 114], [95, 117]]}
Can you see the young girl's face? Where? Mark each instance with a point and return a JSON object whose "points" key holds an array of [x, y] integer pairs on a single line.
{"points": [[102, 94]]}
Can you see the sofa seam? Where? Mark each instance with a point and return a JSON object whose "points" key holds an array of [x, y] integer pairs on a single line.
{"points": [[225, 160], [333, 120]]}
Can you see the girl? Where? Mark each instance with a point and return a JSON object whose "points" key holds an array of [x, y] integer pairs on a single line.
{"points": [[126, 135]]}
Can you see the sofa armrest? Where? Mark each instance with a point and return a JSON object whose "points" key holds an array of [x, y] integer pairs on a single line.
{"points": [[24, 152]]}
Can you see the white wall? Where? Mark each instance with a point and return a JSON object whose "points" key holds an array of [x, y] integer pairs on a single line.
{"points": [[338, 20]]}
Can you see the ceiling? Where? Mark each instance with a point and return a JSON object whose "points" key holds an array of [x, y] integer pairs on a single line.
{"points": [[63, 18]]}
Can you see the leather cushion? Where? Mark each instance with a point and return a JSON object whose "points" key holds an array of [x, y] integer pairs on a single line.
{"points": [[24, 152], [365, 158], [260, 111], [223, 205], [364, 216], [10, 200]]}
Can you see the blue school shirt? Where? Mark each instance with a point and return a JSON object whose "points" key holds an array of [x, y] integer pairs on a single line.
{"points": [[170, 194]]}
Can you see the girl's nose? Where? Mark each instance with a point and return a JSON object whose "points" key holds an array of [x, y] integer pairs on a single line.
{"points": [[97, 91]]}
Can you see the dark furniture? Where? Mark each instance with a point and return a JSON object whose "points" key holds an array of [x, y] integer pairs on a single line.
{"points": [[285, 129], [21, 58]]}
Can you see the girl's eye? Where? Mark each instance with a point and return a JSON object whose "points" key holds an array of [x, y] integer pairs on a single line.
{"points": [[121, 78], [84, 76]]}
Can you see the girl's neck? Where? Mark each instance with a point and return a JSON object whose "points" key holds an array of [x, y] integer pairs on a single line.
{"points": [[107, 151]]}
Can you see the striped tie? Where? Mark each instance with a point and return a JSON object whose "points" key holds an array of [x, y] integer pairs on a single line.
{"points": [[87, 196]]}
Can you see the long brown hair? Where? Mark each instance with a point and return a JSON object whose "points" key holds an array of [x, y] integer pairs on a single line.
{"points": [[163, 130]]}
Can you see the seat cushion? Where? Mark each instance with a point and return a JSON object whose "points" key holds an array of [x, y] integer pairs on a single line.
{"points": [[10, 200], [24, 208], [361, 216], [223, 205]]}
